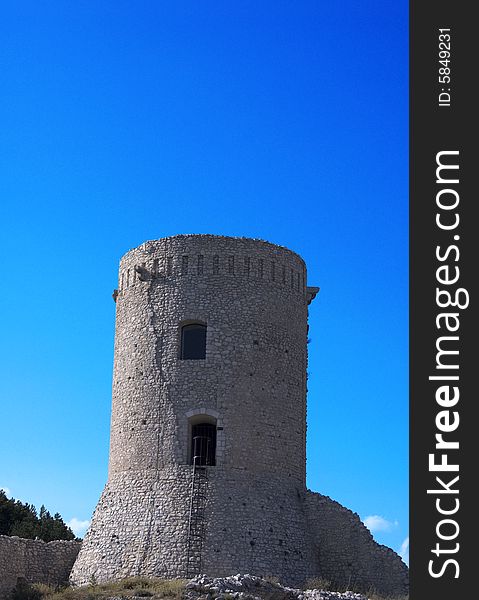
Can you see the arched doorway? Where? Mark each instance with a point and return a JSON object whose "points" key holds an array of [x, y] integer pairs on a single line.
{"points": [[203, 444]]}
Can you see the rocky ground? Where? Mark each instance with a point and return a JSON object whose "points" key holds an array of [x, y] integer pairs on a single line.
{"points": [[249, 587], [201, 587]]}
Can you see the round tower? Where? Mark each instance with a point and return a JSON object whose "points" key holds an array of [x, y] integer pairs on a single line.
{"points": [[208, 427]]}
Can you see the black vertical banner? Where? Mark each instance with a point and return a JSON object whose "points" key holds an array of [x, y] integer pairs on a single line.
{"points": [[444, 256]]}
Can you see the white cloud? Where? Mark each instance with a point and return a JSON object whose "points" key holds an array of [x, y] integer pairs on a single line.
{"points": [[404, 551], [78, 527], [377, 523], [6, 490]]}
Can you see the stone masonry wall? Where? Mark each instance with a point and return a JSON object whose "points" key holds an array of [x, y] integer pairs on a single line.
{"points": [[253, 297], [346, 552], [35, 561], [253, 526]]}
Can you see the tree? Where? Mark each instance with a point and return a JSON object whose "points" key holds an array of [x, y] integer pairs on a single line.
{"points": [[21, 519]]}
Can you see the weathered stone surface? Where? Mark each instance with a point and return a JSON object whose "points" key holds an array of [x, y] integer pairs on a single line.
{"points": [[346, 552], [260, 519], [35, 561], [249, 587]]}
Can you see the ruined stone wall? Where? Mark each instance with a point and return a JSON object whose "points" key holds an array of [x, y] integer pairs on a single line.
{"points": [[346, 552], [34, 561]]}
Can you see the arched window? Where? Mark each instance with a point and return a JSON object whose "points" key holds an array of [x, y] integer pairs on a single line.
{"points": [[193, 341], [203, 444]]}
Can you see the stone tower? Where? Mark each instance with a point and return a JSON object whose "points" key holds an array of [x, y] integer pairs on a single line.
{"points": [[208, 427]]}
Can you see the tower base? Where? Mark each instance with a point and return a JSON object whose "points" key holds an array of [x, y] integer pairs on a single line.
{"points": [[253, 524]]}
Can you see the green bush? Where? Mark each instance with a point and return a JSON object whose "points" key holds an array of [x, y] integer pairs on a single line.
{"points": [[25, 591], [319, 583]]}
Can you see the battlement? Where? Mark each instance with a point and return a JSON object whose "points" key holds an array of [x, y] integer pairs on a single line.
{"points": [[209, 256]]}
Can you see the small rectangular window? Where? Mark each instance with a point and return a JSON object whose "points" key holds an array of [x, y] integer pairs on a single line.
{"points": [[193, 342]]}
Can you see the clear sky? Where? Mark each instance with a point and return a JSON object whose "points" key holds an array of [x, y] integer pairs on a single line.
{"points": [[129, 121]]}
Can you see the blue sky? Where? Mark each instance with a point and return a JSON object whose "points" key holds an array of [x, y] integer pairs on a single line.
{"points": [[123, 122]]}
